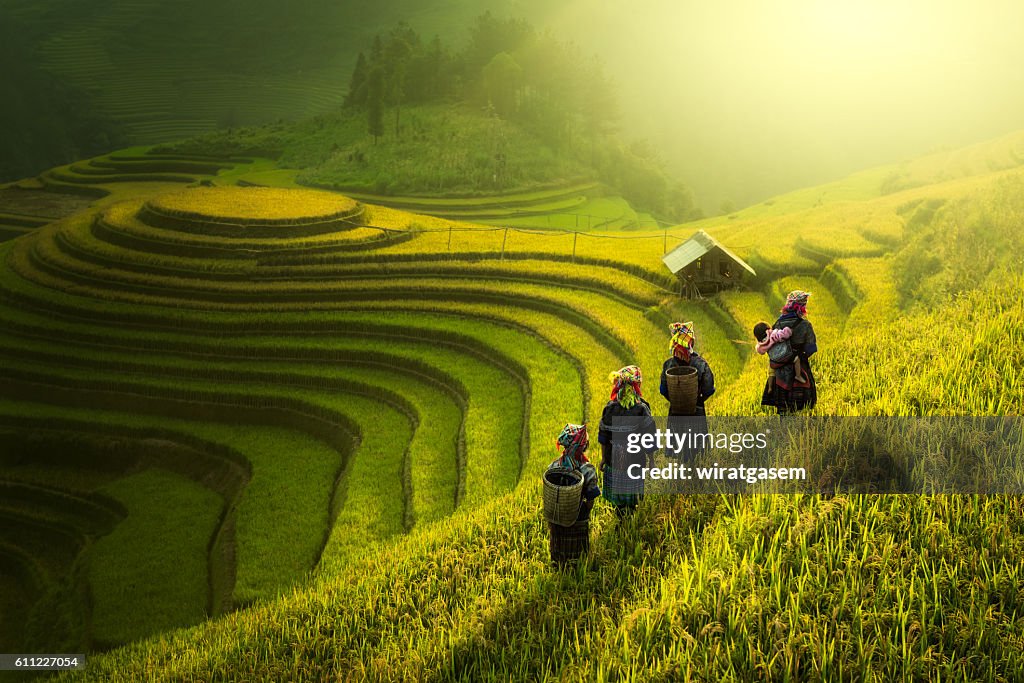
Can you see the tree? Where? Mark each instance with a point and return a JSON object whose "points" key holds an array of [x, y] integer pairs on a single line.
{"points": [[430, 75], [402, 42], [375, 102], [356, 96], [600, 106], [502, 78], [491, 35], [377, 51]]}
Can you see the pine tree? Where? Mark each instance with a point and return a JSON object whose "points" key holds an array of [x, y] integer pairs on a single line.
{"points": [[375, 102], [356, 96]]}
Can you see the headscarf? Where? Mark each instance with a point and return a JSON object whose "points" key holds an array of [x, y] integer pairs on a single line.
{"points": [[796, 302], [682, 340], [626, 386], [572, 442]]}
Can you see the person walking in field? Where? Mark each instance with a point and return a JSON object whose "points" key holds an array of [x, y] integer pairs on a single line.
{"points": [[768, 339], [626, 413], [573, 442], [569, 543], [683, 354], [786, 390]]}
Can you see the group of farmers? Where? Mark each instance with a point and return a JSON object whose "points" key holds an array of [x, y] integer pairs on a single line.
{"points": [[789, 343]]}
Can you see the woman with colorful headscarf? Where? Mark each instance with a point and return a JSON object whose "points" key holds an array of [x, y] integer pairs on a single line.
{"points": [[784, 391], [683, 354], [626, 413], [573, 442], [567, 544]]}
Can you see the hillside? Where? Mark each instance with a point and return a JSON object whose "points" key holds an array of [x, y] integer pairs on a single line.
{"points": [[446, 150], [154, 72], [353, 403], [495, 108], [255, 72], [455, 161]]}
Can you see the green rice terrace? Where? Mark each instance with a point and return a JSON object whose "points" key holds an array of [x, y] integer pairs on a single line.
{"points": [[278, 433]]}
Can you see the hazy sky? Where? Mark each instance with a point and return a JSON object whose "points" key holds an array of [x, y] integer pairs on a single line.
{"points": [[751, 98]]}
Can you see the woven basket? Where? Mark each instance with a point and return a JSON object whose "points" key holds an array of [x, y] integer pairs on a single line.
{"points": [[682, 390], [563, 489]]}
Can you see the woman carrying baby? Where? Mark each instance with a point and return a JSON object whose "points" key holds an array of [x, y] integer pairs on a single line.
{"points": [[789, 344]]}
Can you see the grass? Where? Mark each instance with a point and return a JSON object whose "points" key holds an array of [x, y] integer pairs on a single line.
{"points": [[431, 204], [491, 427], [431, 454], [266, 562], [612, 315], [155, 560], [475, 487], [119, 225], [288, 260], [15, 601]]}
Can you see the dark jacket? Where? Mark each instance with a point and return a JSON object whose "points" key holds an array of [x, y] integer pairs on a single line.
{"points": [[618, 426], [618, 422], [804, 344], [803, 341]]}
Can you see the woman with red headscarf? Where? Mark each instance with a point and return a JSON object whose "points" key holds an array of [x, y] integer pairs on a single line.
{"points": [[683, 353], [568, 543], [784, 390]]}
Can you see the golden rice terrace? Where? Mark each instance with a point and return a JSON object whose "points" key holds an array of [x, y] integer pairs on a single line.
{"points": [[277, 434]]}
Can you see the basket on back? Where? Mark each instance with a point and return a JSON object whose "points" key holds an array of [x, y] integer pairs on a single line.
{"points": [[682, 390], [563, 489]]}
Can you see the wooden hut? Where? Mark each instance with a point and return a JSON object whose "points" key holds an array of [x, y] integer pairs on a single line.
{"points": [[704, 266]]}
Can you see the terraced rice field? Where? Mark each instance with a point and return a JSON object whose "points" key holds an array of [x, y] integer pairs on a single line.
{"points": [[577, 206], [25, 207], [353, 404]]}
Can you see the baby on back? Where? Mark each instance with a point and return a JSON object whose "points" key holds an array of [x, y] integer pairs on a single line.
{"points": [[767, 337]]}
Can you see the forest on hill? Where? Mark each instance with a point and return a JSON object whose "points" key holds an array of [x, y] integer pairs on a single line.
{"points": [[514, 110], [86, 78]]}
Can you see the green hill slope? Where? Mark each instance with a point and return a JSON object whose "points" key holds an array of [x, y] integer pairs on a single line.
{"points": [[386, 397]]}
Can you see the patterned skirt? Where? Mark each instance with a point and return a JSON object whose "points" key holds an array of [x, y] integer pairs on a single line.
{"points": [[619, 486], [797, 397], [568, 544]]}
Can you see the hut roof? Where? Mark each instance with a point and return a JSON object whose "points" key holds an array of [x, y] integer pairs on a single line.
{"points": [[695, 247]]}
